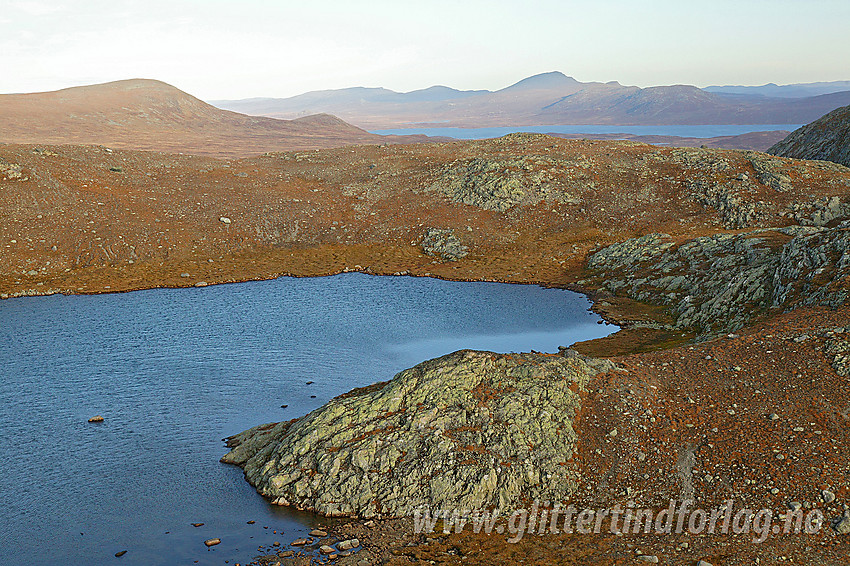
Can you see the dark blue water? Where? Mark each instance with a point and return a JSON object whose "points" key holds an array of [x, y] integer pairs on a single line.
{"points": [[705, 131], [174, 371]]}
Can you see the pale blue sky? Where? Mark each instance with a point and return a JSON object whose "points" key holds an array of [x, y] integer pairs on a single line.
{"points": [[241, 48]]}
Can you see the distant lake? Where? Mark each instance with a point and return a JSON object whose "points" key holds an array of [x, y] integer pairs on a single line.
{"points": [[709, 131], [173, 371]]}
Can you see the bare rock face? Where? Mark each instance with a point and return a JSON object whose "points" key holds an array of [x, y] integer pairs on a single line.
{"points": [[774, 188], [469, 430], [814, 268], [827, 139], [770, 173]]}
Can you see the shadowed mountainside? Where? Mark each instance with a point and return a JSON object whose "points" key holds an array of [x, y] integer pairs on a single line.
{"points": [[827, 139]]}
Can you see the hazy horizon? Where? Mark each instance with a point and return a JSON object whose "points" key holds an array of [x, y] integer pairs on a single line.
{"points": [[220, 50], [402, 92]]}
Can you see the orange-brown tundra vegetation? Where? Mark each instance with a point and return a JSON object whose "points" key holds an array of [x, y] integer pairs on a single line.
{"points": [[759, 414]]}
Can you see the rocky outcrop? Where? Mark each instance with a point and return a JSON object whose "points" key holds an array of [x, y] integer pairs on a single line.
{"points": [[827, 139], [814, 268], [820, 212], [770, 173], [470, 430], [443, 244], [718, 283], [730, 201], [748, 189], [500, 183], [837, 347]]}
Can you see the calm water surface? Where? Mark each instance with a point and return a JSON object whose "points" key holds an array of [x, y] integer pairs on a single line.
{"points": [[173, 371]]}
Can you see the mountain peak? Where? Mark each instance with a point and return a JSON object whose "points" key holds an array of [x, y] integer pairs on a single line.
{"points": [[151, 85], [552, 79]]}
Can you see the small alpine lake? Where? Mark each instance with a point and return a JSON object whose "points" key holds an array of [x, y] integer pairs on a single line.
{"points": [[173, 371]]}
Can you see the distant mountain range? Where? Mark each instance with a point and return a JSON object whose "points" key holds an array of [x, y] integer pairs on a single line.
{"points": [[152, 115], [555, 99], [799, 90]]}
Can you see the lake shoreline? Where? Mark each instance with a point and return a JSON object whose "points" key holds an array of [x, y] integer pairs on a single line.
{"points": [[615, 311]]}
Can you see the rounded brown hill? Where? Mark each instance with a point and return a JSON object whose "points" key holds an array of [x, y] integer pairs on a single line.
{"points": [[827, 139], [152, 115]]}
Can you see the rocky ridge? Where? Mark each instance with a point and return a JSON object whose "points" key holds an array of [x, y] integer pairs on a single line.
{"points": [[741, 202], [470, 430]]}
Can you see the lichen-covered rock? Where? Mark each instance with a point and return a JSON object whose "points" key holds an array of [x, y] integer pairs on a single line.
{"points": [[814, 269], [718, 283], [493, 184], [444, 244], [632, 252], [469, 430], [820, 212], [770, 173], [740, 197], [730, 202], [838, 348], [711, 283]]}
